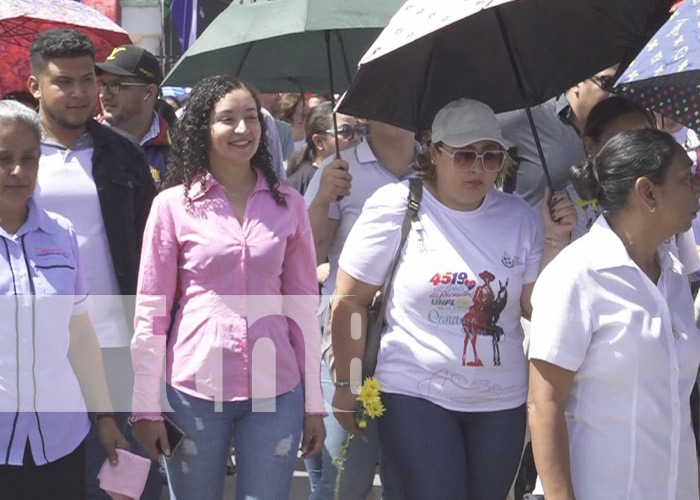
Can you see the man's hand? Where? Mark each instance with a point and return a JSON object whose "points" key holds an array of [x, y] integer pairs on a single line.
{"points": [[335, 181]]}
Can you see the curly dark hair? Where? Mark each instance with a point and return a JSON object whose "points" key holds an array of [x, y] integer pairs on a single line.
{"points": [[58, 43], [189, 155]]}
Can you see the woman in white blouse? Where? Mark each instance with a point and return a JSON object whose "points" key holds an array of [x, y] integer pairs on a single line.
{"points": [[614, 348]]}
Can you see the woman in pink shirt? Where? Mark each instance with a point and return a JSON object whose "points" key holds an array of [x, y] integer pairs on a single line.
{"points": [[234, 248]]}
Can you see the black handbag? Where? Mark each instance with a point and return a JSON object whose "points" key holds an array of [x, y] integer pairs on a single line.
{"points": [[377, 309]]}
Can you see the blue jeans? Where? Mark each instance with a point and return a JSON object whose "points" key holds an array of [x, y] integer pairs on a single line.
{"points": [[119, 374], [361, 462], [437, 453], [266, 444]]}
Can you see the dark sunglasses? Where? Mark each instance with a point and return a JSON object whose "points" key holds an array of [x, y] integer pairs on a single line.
{"points": [[466, 159], [605, 82], [347, 132]]}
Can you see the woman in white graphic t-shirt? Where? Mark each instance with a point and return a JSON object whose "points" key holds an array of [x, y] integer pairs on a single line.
{"points": [[451, 362]]}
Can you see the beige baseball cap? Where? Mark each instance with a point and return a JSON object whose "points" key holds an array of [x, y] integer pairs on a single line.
{"points": [[466, 121]]}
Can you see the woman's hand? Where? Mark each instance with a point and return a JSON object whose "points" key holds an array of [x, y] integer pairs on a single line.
{"points": [[344, 409], [111, 438], [150, 433], [559, 219], [314, 435]]}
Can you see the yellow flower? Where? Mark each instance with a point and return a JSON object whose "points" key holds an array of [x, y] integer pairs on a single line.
{"points": [[369, 391], [368, 404], [374, 408]]}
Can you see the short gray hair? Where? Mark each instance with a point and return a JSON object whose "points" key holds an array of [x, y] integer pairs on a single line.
{"points": [[12, 112]]}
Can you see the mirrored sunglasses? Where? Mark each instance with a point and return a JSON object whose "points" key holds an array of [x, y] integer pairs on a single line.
{"points": [[492, 161]]}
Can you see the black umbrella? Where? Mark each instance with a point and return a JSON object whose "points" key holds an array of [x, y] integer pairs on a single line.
{"points": [[509, 54]]}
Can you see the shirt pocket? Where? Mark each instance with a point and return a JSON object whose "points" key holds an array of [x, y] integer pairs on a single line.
{"points": [[54, 275]]}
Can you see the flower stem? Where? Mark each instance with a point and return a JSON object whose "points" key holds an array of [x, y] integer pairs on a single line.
{"points": [[339, 462]]}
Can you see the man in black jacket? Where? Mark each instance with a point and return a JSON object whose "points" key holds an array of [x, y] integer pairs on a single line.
{"points": [[101, 182]]}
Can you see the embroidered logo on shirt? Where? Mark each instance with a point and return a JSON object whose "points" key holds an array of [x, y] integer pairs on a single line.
{"points": [[42, 252], [507, 260]]}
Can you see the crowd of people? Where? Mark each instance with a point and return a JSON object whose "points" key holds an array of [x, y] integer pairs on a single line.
{"points": [[164, 268]]}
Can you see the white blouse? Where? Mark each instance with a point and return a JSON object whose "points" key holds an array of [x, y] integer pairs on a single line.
{"points": [[635, 349]]}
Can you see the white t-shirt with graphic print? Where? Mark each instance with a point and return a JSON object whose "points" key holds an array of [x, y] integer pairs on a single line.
{"points": [[453, 333]]}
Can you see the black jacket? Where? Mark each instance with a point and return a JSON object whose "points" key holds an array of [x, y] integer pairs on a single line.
{"points": [[125, 190]]}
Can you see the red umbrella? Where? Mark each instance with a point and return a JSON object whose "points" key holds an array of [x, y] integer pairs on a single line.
{"points": [[22, 20]]}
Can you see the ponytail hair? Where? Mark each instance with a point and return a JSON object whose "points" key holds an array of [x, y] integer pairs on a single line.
{"points": [[585, 181]]}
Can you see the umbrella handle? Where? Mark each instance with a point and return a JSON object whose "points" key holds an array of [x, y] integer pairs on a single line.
{"points": [[327, 36], [521, 87]]}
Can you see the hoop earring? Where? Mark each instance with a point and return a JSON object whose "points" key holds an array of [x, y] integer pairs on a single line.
{"points": [[652, 209]]}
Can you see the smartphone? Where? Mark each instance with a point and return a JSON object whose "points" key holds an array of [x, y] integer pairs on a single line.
{"points": [[175, 434]]}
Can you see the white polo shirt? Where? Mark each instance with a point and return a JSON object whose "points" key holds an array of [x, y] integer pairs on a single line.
{"points": [[41, 288], [635, 349], [65, 185]]}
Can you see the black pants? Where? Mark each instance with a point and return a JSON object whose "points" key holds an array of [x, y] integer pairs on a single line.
{"points": [[63, 479]]}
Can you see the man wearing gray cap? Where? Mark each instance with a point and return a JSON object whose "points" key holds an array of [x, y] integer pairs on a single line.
{"points": [[128, 93]]}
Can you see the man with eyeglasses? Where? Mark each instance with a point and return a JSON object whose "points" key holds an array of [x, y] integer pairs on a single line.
{"points": [[99, 180], [559, 123], [128, 94]]}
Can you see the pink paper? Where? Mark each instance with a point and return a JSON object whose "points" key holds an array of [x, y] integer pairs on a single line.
{"points": [[126, 480]]}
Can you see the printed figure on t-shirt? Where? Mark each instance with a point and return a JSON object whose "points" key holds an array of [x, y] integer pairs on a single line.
{"points": [[482, 317]]}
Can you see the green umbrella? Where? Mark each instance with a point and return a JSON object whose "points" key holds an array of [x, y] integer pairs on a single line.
{"points": [[286, 45]]}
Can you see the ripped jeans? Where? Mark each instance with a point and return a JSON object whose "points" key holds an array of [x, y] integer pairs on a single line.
{"points": [[266, 444]]}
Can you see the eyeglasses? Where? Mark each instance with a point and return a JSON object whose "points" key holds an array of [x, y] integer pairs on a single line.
{"points": [[115, 87], [465, 160], [347, 132], [605, 82]]}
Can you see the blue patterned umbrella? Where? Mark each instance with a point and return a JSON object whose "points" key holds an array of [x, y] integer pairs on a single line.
{"points": [[665, 75]]}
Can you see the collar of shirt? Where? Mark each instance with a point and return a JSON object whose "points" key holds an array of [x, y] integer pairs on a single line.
{"points": [[364, 154], [197, 190], [615, 254], [36, 219], [154, 131], [83, 142], [563, 109]]}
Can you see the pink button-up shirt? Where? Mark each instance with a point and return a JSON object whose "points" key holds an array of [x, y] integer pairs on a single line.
{"points": [[248, 294]]}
